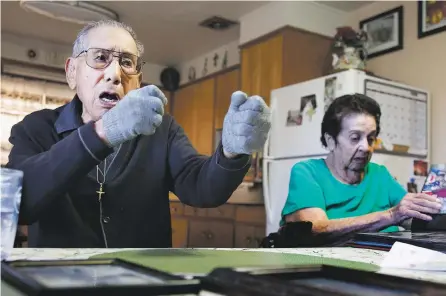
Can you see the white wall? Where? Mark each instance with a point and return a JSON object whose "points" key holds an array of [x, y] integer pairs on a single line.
{"points": [[300, 14], [305, 15], [420, 63], [233, 58]]}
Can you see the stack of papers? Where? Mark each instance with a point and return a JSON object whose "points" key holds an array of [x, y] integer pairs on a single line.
{"points": [[406, 256]]}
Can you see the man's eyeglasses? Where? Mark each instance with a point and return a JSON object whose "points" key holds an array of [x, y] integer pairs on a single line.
{"points": [[99, 58]]}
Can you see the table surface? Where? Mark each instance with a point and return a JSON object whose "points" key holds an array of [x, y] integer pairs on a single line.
{"points": [[351, 254]]}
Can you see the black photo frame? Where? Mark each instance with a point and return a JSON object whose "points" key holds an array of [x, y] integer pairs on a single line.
{"points": [[385, 32], [91, 277], [316, 280], [426, 8]]}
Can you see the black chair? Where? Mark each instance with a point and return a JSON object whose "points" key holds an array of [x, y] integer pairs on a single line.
{"points": [[20, 238]]}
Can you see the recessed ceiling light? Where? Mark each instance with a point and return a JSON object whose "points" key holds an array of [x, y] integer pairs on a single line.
{"points": [[79, 12], [217, 23]]}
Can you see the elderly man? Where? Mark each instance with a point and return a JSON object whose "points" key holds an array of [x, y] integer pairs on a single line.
{"points": [[97, 171]]}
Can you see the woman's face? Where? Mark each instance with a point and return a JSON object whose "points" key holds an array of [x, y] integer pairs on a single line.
{"points": [[354, 146]]}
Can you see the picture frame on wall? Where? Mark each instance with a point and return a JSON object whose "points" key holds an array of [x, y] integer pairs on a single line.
{"points": [[431, 18], [385, 32]]}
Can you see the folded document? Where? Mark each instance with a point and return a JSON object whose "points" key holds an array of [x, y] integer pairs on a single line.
{"points": [[406, 256]]}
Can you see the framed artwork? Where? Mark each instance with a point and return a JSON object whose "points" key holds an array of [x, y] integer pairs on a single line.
{"points": [[431, 18], [384, 32]]}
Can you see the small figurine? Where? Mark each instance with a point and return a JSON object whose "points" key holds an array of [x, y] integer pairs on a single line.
{"points": [[225, 60], [192, 74], [216, 57], [205, 68], [349, 49]]}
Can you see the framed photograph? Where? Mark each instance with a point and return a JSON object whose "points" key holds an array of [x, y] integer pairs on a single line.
{"points": [[312, 280], [431, 18], [384, 31], [91, 277]]}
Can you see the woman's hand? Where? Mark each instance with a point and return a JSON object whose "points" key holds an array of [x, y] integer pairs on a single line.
{"points": [[416, 205]]}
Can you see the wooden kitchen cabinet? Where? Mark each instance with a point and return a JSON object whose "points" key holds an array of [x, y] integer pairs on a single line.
{"points": [[194, 111], [204, 116], [248, 236], [210, 234], [169, 96], [227, 226], [183, 109], [179, 233], [261, 67], [284, 57], [225, 84]]}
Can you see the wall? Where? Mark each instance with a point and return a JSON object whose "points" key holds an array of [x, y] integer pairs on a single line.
{"points": [[305, 15], [421, 63], [51, 54], [228, 52]]}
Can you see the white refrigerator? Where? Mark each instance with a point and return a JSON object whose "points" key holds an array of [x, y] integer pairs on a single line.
{"points": [[297, 113]]}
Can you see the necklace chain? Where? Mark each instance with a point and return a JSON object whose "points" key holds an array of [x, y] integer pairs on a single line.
{"points": [[104, 173]]}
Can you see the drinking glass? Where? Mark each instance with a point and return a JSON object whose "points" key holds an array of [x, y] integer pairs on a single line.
{"points": [[11, 195]]}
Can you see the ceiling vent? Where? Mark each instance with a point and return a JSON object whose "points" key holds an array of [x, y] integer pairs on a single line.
{"points": [[79, 12], [217, 23]]}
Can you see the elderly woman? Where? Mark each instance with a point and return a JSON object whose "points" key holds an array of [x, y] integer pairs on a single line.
{"points": [[346, 193]]}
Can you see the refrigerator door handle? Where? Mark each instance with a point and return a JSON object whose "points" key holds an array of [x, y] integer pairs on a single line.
{"points": [[266, 146], [266, 188]]}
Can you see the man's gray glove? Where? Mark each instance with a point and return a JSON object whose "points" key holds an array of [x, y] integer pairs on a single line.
{"points": [[140, 112], [246, 125]]}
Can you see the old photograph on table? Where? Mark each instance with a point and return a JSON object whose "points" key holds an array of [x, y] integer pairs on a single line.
{"points": [[87, 276], [384, 32]]}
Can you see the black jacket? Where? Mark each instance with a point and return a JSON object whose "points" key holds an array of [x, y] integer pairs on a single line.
{"points": [[58, 155]]}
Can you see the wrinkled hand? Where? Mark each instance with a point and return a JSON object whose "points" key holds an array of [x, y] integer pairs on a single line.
{"points": [[246, 125], [416, 205], [140, 112]]}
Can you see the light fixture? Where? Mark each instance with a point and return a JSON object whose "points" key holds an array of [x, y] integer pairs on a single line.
{"points": [[79, 12], [217, 23]]}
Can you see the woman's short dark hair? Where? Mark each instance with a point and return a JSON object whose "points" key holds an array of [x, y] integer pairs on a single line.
{"points": [[346, 105]]}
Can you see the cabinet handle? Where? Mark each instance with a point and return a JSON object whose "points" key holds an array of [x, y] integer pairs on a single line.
{"points": [[258, 241], [207, 234]]}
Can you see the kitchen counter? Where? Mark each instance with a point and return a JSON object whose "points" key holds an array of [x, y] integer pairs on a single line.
{"points": [[351, 254]]}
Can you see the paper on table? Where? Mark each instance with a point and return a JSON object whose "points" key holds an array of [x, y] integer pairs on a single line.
{"points": [[407, 256]]}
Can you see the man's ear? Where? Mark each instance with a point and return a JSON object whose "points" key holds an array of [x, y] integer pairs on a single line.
{"points": [[331, 142], [70, 72]]}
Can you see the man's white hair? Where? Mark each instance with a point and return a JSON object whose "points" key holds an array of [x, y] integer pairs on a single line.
{"points": [[80, 43]]}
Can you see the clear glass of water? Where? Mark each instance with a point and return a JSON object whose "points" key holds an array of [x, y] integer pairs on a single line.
{"points": [[11, 195]]}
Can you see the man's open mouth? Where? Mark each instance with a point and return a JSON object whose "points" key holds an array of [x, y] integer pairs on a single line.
{"points": [[108, 98]]}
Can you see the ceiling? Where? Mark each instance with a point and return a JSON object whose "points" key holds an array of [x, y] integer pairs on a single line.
{"points": [[347, 6], [168, 29]]}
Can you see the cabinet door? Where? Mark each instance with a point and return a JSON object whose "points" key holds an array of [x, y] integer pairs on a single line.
{"points": [[183, 110], [168, 107], [211, 234], [261, 67], [194, 111], [204, 116], [225, 85], [179, 233], [248, 236]]}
